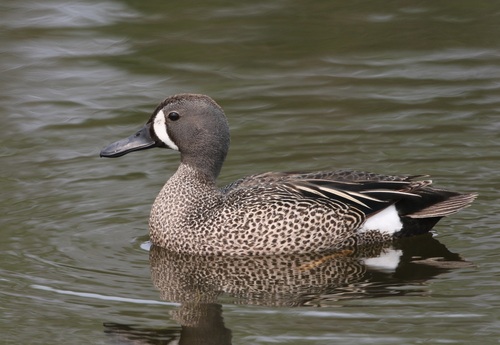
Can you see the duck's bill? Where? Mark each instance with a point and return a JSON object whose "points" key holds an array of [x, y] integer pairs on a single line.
{"points": [[141, 140]]}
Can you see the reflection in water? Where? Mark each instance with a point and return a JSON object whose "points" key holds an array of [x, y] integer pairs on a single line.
{"points": [[204, 325], [198, 282]]}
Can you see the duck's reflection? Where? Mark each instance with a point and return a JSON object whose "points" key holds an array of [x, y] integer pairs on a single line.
{"points": [[199, 283]]}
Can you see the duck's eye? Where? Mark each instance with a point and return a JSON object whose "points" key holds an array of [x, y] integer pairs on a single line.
{"points": [[173, 116]]}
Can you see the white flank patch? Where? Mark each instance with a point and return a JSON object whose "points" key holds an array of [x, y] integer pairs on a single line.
{"points": [[388, 260], [160, 128], [386, 221]]}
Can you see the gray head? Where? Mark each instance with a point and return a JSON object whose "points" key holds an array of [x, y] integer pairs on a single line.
{"points": [[192, 124]]}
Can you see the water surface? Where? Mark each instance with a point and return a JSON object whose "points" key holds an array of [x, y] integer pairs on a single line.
{"points": [[404, 88]]}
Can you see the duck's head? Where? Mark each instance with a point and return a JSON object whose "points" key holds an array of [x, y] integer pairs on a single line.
{"points": [[192, 124]]}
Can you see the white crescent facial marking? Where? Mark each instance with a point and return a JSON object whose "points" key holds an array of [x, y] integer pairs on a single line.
{"points": [[160, 129]]}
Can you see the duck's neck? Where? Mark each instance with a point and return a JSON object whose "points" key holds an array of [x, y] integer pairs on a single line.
{"points": [[180, 206], [184, 193], [205, 162], [187, 175]]}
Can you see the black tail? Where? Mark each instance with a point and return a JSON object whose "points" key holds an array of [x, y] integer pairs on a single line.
{"points": [[419, 215]]}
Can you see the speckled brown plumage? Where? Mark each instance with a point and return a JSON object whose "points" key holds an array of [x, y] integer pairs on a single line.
{"points": [[270, 213], [257, 219]]}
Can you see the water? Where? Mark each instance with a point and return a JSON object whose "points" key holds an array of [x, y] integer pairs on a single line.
{"points": [[403, 88]]}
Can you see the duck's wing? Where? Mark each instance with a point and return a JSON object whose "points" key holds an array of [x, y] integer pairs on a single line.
{"points": [[413, 204], [351, 176], [336, 175], [367, 196], [418, 205], [367, 192], [414, 199]]}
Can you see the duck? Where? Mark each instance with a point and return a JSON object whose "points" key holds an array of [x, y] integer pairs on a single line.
{"points": [[272, 213]]}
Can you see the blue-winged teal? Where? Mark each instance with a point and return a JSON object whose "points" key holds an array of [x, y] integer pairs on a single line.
{"points": [[271, 213]]}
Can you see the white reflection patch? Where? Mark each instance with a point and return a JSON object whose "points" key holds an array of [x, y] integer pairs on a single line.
{"points": [[387, 261]]}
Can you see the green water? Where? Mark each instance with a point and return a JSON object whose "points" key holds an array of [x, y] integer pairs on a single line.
{"points": [[398, 87]]}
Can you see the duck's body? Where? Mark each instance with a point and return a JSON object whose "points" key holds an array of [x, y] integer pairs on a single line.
{"points": [[271, 213]]}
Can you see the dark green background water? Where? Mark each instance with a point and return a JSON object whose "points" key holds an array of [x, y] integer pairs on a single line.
{"points": [[398, 87]]}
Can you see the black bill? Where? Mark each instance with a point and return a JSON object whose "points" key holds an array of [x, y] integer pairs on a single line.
{"points": [[141, 140]]}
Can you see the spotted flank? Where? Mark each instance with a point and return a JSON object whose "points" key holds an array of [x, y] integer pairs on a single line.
{"points": [[272, 212]]}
